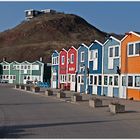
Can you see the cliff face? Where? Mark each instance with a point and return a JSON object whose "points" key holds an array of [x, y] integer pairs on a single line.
{"points": [[43, 34]]}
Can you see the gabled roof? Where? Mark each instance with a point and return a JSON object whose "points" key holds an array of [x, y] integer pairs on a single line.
{"points": [[25, 62], [131, 32], [14, 62], [71, 48], [37, 62], [95, 41], [63, 50], [112, 37], [5, 62], [81, 45], [55, 51]]}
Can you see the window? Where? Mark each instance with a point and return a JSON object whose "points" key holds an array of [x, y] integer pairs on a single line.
{"points": [[91, 79], [116, 51], [14, 77], [5, 67], [130, 49], [72, 58], [81, 69], [96, 54], [17, 67], [35, 67], [124, 81], [105, 80], [82, 79], [137, 81], [95, 80], [63, 60], [73, 78], [130, 81], [22, 67], [82, 56], [91, 55], [29, 67], [110, 52], [25, 67], [79, 79], [137, 48], [100, 80], [69, 79], [57, 60], [110, 80], [115, 80]]}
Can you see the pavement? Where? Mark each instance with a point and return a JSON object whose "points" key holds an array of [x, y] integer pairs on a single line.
{"points": [[27, 115]]}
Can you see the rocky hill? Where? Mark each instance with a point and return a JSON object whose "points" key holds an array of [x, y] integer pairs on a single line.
{"points": [[38, 37]]}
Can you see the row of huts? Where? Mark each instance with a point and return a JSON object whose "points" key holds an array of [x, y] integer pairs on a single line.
{"points": [[110, 69], [24, 72]]}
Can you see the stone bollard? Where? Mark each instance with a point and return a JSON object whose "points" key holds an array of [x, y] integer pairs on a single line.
{"points": [[35, 89], [116, 108], [61, 95], [28, 88], [76, 97], [95, 102], [22, 86], [17, 86], [48, 93]]}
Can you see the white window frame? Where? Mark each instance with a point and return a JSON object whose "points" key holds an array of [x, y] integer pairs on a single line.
{"points": [[63, 58], [134, 49], [115, 46], [72, 55], [82, 54], [133, 86]]}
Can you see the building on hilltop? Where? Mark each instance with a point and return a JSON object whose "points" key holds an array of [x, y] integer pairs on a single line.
{"points": [[31, 13]]}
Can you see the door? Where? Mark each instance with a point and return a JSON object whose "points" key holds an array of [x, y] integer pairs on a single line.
{"points": [[24, 79], [123, 87], [54, 82], [72, 84], [95, 85], [95, 60], [110, 86]]}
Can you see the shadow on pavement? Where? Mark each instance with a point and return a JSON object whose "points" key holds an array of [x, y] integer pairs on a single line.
{"points": [[13, 104], [19, 131]]}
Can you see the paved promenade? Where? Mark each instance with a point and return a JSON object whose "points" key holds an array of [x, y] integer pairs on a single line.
{"points": [[26, 115]]}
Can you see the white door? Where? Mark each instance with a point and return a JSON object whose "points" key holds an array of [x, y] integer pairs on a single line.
{"points": [[110, 86], [123, 87], [24, 79], [72, 84], [95, 60], [78, 83], [94, 91], [110, 63], [54, 81]]}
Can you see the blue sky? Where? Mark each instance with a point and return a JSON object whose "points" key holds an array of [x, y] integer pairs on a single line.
{"points": [[118, 17]]}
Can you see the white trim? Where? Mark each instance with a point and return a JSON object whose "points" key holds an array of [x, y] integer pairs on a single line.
{"points": [[134, 49], [131, 32], [83, 45], [72, 47], [111, 37]]}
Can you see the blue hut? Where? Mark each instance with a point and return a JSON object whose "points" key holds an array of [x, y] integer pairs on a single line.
{"points": [[95, 68], [111, 67], [82, 72], [54, 69]]}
